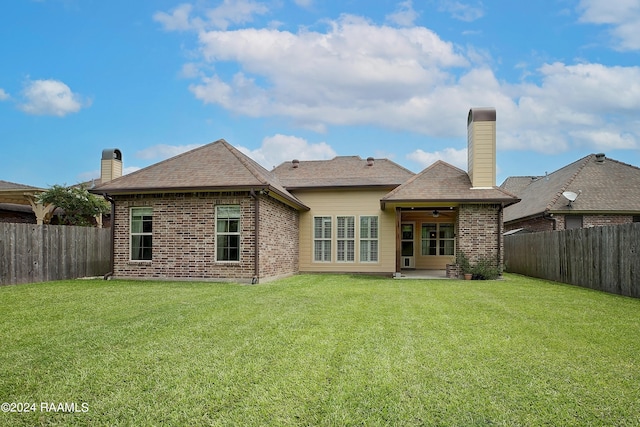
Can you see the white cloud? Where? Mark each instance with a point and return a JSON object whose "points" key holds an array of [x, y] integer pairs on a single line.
{"points": [[404, 16], [4, 95], [228, 13], [50, 97], [452, 156], [356, 72], [623, 16], [177, 20], [164, 151], [281, 148], [462, 11]]}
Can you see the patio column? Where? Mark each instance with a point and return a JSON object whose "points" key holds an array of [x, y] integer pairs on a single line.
{"points": [[398, 240]]}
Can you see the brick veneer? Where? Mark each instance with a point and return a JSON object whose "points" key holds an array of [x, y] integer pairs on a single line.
{"points": [[479, 232], [278, 242], [541, 224], [184, 237]]}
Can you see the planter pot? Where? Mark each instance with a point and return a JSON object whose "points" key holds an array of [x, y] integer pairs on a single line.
{"points": [[467, 276]]}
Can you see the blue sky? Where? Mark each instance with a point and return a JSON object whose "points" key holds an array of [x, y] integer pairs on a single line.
{"points": [[311, 79]]}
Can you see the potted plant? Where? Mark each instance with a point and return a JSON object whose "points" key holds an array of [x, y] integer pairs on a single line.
{"points": [[465, 265]]}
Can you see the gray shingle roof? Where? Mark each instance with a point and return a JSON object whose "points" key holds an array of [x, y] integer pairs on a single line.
{"points": [[341, 171], [444, 182], [217, 166], [609, 186]]}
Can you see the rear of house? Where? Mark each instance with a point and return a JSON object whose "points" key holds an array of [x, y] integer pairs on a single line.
{"points": [[213, 213]]}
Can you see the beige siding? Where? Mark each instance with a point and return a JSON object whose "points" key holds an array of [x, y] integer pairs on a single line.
{"points": [[357, 203], [481, 154]]}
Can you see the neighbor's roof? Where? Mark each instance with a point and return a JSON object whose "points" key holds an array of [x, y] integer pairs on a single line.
{"points": [[217, 166], [442, 182], [341, 171], [608, 186], [10, 192]]}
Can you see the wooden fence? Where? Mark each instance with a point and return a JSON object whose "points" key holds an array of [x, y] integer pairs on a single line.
{"points": [[36, 253], [603, 258]]}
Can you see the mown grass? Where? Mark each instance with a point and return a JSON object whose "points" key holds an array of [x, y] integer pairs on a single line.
{"points": [[321, 350]]}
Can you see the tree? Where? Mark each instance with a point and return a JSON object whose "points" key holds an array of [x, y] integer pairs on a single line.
{"points": [[79, 206]]}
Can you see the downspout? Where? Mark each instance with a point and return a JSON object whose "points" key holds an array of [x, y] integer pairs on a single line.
{"points": [[500, 237], [256, 225], [113, 234], [549, 217]]}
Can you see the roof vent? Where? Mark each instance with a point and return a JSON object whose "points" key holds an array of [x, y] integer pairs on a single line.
{"points": [[600, 158], [295, 163], [370, 161]]}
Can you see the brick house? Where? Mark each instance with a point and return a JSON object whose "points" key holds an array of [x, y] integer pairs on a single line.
{"points": [[592, 191], [214, 213]]}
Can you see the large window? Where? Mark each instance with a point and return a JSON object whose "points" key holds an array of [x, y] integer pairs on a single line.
{"points": [[228, 233], [438, 239], [322, 239], [141, 234], [369, 239], [346, 239]]}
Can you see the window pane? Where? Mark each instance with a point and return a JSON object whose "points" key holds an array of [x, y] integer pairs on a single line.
{"points": [[446, 231], [374, 251], [228, 211], [446, 247]]}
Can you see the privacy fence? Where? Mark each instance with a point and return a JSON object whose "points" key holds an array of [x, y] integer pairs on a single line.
{"points": [[37, 253], [603, 258]]}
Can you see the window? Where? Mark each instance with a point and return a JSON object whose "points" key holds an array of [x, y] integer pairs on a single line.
{"points": [[228, 233], [322, 239], [438, 239], [369, 239], [572, 221], [141, 234], [346, 238]]}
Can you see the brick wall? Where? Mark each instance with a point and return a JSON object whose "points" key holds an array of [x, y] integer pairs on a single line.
{"points": [[278, 239], [478, 234], [184, 237], [541, 224]]}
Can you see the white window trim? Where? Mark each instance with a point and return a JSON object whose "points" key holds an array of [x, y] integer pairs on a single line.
{"points": [[324, 239], [217, 233], [438, 239], [346, 239], [131, 234], [368, 239]]}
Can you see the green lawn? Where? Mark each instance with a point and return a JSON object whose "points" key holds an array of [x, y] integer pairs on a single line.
{"points": [[321, 350]]}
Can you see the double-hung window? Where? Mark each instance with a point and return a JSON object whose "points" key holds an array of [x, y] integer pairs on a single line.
{"points": [[368, 239], [322, 239], [438, 239], [141, 233], [346, 238], [228, 233]]}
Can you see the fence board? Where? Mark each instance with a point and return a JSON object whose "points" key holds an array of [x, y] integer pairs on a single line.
{"points": [[603, 258], [37, 253]]}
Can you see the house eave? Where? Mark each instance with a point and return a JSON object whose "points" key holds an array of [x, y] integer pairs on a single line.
{"points": [[274, 192], [450, 202]]}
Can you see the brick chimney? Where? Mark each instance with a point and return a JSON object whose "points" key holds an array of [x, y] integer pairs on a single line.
{"points": [[481, 147], [111, 165]]}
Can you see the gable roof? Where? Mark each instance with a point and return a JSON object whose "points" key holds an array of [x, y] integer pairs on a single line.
{"points": [[217, 166], [442, 182], [341, 171], [603, 186]]}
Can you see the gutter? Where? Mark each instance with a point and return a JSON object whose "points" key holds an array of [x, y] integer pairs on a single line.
{"points": [[113, 234]]}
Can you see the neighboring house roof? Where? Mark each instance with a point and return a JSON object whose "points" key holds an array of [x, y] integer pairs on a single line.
{"points": [[217, 166], [10, 192], [603, 185], [442, 182], [341, 171]]}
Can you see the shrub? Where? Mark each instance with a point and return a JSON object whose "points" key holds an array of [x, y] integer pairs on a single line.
{"points": [[485, 269]]}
